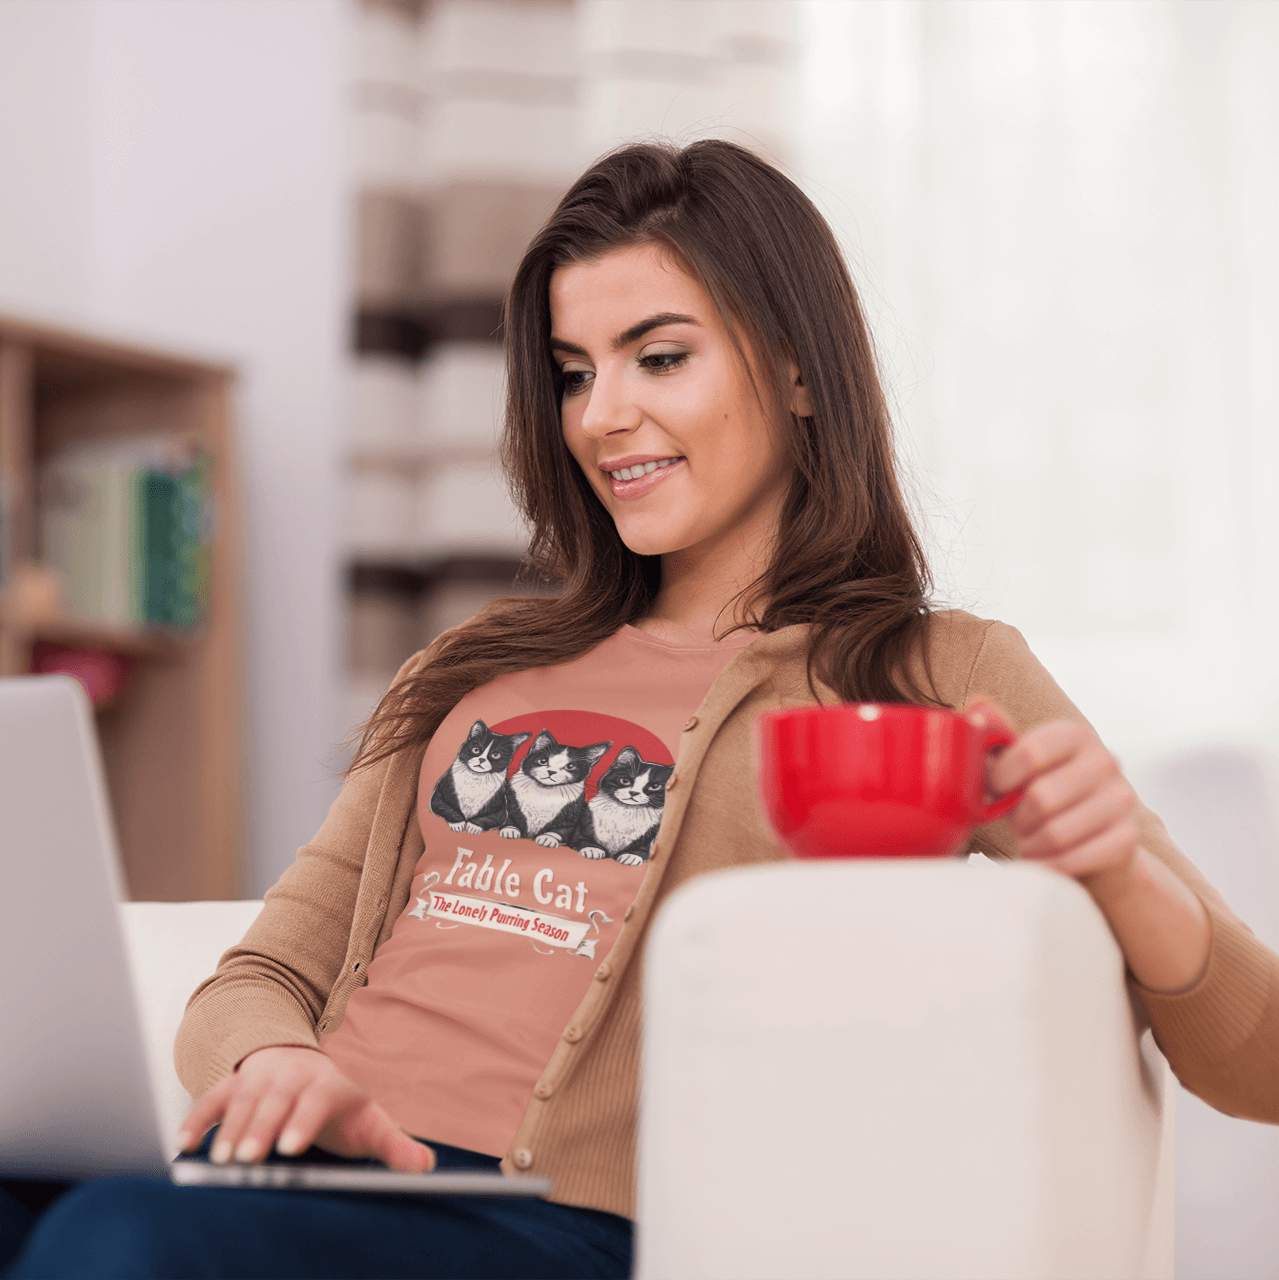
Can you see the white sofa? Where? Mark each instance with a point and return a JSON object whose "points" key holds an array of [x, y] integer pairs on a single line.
{"points": [[897, 1069], [857, 1069]]}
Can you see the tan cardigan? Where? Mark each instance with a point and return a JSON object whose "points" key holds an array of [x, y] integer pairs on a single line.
{"points": [[290, 978]]}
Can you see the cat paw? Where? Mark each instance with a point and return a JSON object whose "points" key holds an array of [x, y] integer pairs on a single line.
{"points": [[457, 826], [472, 828], [549, 840], [630, 859], [511, 833], [591, 852]]}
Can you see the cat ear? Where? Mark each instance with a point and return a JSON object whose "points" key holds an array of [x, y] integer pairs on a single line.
{"points": [[478, 730], [543, 740], [595, 750], [518, 740], [629, 757]]}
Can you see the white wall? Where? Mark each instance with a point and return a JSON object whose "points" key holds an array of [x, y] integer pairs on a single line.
{"points": [[171, 171]]}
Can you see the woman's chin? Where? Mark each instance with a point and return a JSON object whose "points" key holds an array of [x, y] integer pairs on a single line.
{"points": [[650, 546], [647, 538], [649, 535]]}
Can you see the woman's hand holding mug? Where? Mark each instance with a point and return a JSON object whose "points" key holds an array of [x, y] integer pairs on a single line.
{"points": [[1075, 813], [290, 1098]]}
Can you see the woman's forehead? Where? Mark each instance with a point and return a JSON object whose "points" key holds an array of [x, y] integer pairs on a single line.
{"points": [[604, 297]]}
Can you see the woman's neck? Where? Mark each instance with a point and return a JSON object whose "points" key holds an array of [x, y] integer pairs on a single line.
{"points": [[701, 595]]}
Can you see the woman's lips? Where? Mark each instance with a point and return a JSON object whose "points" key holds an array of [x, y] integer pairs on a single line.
{"points": [[637, 488]]}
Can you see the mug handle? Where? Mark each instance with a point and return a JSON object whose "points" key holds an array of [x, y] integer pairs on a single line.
{"points": [[992, 736]]}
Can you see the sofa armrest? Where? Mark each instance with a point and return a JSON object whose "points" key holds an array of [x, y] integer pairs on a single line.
{"points": [[172, 948], [897, 1069]]}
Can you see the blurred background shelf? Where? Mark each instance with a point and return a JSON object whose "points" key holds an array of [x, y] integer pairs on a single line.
{"points": [[148, 643], [170, 732]]}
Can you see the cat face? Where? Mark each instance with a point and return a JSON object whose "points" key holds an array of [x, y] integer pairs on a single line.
{"points": [[553, 765], [636, 782], [487, 752]]}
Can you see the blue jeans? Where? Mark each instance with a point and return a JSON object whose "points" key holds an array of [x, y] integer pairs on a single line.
{"points": [[136, 1228]]}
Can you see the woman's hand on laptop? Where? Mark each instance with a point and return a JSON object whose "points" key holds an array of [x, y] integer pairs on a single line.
{"points": [[291, 1098]]}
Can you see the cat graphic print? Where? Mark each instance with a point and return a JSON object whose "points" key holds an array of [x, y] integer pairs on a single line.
{"points": [[580, 791]]}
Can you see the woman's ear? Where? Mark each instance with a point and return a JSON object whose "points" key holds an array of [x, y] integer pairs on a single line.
{"points": [[801, 403]]}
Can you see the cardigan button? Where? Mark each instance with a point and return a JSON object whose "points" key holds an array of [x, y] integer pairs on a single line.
{"points": [[523, 1158], [572, 1034], [603, 972], [690, 724], [544, 1090]]}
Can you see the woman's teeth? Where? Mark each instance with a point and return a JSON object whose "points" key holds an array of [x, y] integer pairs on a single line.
{"points": [[640, 469]]}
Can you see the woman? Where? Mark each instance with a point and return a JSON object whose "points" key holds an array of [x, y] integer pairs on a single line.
{"points": [[697, 436]]}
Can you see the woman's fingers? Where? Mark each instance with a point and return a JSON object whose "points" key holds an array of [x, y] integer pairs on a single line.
{"points": [[269, 1116], [239, 1113], [1068, 784], [343, 1119], [1035, 752], [315, 1107], [367, 1130], [1080, 822], [1114, 848], [204, 1115]]}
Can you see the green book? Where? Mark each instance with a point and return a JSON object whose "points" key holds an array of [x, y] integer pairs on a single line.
{"points": [[192, 549], [161, 495]]}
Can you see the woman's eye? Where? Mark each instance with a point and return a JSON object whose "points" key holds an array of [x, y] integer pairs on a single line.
{"points": [[664, 361], [576, 380]]}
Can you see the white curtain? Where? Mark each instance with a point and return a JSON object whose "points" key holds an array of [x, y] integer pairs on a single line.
{"points": [[1063, 215]]}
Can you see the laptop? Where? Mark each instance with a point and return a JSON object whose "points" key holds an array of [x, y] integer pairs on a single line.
{"points": [[77, 1099]]}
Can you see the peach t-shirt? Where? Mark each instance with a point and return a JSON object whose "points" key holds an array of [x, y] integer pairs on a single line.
{"points": [[539, 798]]}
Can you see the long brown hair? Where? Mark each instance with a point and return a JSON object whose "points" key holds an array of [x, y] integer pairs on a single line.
{"points": [[847, 559]]}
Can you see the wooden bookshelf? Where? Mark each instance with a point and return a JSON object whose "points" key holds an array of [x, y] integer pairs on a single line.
{"points": [[171, 741]]}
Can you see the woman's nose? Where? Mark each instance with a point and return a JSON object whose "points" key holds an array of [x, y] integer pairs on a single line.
{"points": [[609, 406]]}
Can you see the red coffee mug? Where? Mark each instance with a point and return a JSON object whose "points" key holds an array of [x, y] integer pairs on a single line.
{"points": [[876, 780]]}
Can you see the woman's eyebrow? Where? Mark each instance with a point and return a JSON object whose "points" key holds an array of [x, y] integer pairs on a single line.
{"points": [[627, 336], [637, 331]]}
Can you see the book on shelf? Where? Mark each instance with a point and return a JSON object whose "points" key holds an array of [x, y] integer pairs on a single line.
{"points": [[125, 525]]}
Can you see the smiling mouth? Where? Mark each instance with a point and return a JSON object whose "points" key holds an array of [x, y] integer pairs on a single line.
{"points": [[641, 469]]}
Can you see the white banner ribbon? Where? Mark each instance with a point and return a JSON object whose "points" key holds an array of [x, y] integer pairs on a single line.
{"points": [[538, 926]]}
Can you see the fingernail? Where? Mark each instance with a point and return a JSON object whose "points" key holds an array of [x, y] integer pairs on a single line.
{"points": [[184, 1138], [248, 1151], [289, 1144], [221, 1152]]}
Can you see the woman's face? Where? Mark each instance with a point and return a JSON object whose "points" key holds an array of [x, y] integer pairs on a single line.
{"points": [[658, 409]]}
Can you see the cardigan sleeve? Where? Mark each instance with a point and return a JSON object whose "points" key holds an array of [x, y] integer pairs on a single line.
{"points": [[1221, 1036], [271, 988]]}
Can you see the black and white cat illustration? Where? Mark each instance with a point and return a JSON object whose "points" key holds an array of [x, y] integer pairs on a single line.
{"points": [[471, 795], [545, 796], [622, 819]]}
